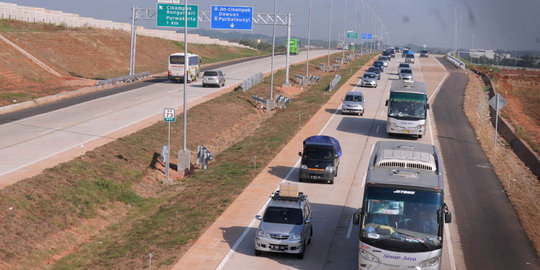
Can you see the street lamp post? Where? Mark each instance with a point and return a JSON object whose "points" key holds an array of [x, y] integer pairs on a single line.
{"points": [[273, 51], [329, 34], [308, 42]]}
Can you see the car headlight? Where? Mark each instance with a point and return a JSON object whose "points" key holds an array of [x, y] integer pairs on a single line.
{"points": [[261, 233], [303, 166], [368, 256], [431, 261], [329, 169], [295, 237]]}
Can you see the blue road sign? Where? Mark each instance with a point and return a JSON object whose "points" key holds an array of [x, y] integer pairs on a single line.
{"points": [[232, 18], [369, 36], [364, 35]]}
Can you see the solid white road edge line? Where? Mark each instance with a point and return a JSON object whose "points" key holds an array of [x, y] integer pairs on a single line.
{"points": [[245, 232]]}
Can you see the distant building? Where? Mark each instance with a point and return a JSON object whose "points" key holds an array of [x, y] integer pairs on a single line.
{"points": [[477, 53]]}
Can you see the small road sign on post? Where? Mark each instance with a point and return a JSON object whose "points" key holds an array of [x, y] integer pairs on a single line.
{"points": [[169, 115], [172, 15], [232, 18]]}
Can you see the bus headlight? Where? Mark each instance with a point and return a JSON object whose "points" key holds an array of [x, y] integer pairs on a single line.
{"points": [[421, 126], [368, 256], [303, 166], [329, 169], [431, 261]]}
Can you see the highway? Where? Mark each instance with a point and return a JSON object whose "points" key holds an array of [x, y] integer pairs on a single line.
{"points": [[67, 129], [228, 243]]}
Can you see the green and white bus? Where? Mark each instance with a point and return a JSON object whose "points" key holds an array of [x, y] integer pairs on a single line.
{"points": [[407, 108]]}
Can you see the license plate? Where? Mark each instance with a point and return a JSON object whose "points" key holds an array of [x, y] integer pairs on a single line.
{"points": [[315, 177], [406, 131], [280, 248]]}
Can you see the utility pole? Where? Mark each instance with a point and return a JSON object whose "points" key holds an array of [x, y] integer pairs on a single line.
{"points": [[308, 42], [329, 35], [344, 33], [273, 51]]}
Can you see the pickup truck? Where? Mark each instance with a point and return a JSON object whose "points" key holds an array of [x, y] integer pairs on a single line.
{"points": [[320, 159]]}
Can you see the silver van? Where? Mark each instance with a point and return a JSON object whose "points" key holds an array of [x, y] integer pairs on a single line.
{"points": [[285, 226], [353, 103]]}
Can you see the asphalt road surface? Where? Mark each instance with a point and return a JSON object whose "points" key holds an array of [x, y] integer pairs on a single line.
{"points": [[491, 235], [228, 243]]}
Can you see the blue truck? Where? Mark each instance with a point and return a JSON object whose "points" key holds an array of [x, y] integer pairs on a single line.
{"points": [[320, 159]]}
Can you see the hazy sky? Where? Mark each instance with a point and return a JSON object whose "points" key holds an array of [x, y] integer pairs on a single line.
{"points": [[488, 24]]}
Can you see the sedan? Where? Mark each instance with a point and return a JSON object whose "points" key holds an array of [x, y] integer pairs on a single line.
{"points": [[375, 70], [211, 77]]}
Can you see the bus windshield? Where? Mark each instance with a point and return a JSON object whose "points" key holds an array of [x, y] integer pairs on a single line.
{"points": [[407, 106], [177, 59], [401, 219]]}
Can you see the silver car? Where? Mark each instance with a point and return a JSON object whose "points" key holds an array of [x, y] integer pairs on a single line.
{"points": [[409, 58], [285, 226], [369, 79], [213, 77], [353, 103], [406, 74], [384, 59], [403, 65]]}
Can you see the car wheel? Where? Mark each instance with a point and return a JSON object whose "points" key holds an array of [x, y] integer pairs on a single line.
{"points": [[300, 180], [310, 236], [258, 252], [331, 182], [419, 136], [301, 254]]}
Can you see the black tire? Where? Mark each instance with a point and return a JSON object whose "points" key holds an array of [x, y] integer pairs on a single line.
{"points": [[310, 235], [331, 182], [300, 180], [258, 252], [419, 136], [300, 255]]}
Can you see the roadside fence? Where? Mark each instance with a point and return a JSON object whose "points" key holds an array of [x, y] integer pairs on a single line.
{"points": [[336, 67], [299, 79], [252, 81], [322, 67], [313, 79], [124, 79], [281, 101], [455, 61]]}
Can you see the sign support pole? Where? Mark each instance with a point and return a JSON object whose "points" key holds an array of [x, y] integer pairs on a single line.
{"points": [[184, 155], [133, 40], [273, 50], [329, 34]]}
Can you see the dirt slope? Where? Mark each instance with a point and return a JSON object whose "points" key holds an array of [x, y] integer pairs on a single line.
{"points": [[82, 55]]}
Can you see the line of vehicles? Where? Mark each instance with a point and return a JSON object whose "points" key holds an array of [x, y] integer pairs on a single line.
{"points": [[403, 210]]}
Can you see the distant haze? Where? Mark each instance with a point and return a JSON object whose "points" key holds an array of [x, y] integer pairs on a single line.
{"points": [[487, 24]]}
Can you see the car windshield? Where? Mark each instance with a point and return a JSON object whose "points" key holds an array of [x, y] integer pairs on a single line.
{"points": [[316, 153], [283, 215], [210, 73], [404, 65], [373, 69], [407, 106], [410, 56], [406, 71], [401, 218], [353, 98], [369, 76]]}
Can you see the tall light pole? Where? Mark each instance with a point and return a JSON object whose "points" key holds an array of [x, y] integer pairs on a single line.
{"points": [[273, 51], [308, 42], [329, 34], [344, 32]]}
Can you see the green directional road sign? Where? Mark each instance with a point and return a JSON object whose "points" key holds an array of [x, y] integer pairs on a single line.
{"points": [[351, 34], [172, 15]]}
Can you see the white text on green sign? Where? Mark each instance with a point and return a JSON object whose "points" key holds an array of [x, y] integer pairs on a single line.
{"points": [[172, 15]]}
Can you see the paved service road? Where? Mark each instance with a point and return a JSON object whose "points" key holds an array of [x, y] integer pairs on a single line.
{"points": [[492, 236], [34, 143], [228, 243]]}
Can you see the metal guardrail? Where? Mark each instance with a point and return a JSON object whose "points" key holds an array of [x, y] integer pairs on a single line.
{"points": [[313, 79], [299, 79], [281, 101], [456, 61], [322, 67], [262, 102], [334, 82], [336, 67], [203, 156], [124, 79], [252, 81]]}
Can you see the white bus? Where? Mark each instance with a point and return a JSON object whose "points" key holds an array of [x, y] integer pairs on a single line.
{"points": [[403, 211], [407, 108], [176, 67]]}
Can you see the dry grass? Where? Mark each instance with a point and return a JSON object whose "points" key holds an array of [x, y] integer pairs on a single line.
{"points": [[523, 189]]}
